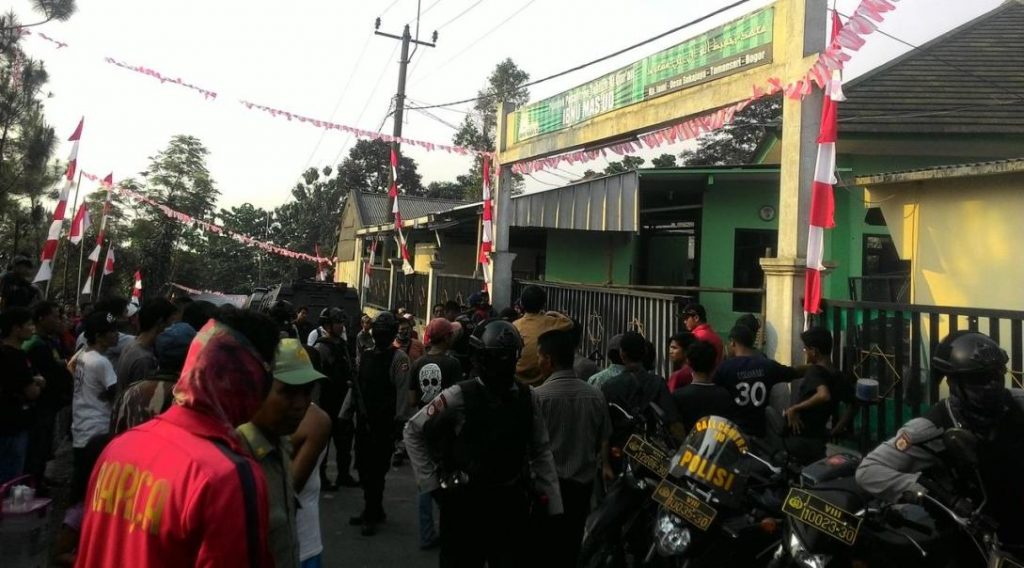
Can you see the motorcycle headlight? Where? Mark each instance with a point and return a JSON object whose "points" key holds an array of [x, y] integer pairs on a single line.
{"points": [[671, 534], [802, 556]]}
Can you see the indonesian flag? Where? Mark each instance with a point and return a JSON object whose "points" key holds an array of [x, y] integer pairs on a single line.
{"points": [[108, 264], [399, 237], [137, 289], [822, 199], [321, 273], [53, 235], [80, 224], [369, 263], [94, 256], [393, 190], [87, 288], [486, 232]]}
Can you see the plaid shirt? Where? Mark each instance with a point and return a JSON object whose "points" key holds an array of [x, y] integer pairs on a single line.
{"points": [[578, 422]]}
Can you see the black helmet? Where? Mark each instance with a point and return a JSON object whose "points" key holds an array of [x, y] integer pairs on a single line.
{"points": [[969, 352], [333, 315], [384, 329], [495, 346]]}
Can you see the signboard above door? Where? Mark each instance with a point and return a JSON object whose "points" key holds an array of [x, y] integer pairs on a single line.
{"points": [[732, 47]]}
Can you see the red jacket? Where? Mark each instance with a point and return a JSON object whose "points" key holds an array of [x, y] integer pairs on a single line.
{"points": [[178, 490], [703, 332]]}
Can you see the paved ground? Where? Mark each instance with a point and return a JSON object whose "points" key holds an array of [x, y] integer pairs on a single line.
{"points": [[397, 542]]}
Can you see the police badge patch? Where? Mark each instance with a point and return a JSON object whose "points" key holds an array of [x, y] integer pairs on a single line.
{"points": [[903, 441]]}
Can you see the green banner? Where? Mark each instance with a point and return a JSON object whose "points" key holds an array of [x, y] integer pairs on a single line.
{"points": [[722, 51]]}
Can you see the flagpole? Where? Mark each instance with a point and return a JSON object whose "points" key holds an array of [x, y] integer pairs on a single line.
{"points": [[67, 249], [103, 272]]}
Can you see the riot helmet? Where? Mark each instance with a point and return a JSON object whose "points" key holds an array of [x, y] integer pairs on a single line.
{"points": [[283, 314], [495, 346], [329, 317], [384, 329], [975, 368]]}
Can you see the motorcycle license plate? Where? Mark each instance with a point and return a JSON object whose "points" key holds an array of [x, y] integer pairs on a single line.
{"points": [[685, 505], [647, 455], [819, 514]]}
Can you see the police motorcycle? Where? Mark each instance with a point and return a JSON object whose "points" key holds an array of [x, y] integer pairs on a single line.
{"points": [[833, 522], [719, 504], [619, 529]]}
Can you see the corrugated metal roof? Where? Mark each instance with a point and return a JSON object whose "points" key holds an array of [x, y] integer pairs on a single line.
{"points": [[375, 208], [969, 80], [1015, 165], [607, 203]]}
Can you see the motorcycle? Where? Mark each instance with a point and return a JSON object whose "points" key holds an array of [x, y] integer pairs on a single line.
{"points": [[620, 527], [720, 504], [832, 522]]}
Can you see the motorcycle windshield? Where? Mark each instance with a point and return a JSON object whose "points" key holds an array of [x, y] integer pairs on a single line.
{"points": [[711, 455]]}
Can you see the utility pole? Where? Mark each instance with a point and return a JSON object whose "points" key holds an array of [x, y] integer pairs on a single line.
{"points": [[403, 64]]}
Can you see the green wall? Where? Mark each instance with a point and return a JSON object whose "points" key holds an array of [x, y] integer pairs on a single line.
{"points": [[583, 257], [728, 206]]}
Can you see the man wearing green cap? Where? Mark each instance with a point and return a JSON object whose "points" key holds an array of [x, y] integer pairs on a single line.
{"points": [[266, 436]]}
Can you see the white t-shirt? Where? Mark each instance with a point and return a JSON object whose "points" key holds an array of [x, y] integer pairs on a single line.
{"points": [[90, 414]]}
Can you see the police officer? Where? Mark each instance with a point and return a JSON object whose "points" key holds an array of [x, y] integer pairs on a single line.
{"points": [[379, 399], [915, 461], [334, 361], [475, 446]]}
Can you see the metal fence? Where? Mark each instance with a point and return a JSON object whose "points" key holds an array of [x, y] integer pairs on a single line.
{"points": [[893, 343], [457, 287], [380, 284], [605, 312], [411, 293]]}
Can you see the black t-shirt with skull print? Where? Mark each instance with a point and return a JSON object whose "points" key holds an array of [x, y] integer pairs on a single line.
{"points": [[431, 374]]}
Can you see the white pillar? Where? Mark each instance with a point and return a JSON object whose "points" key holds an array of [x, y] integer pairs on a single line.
{"points": [[501, 259]]}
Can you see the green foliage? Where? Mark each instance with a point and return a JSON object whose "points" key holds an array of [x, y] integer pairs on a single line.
{"points": [[665, 161], [368, 165], [628, 163], [736, 144]]}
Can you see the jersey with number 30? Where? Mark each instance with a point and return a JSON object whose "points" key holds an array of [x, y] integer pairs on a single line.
{"points": [[749, 380]]}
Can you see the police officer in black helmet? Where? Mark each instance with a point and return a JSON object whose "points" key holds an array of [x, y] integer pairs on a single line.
{"points": [[915, 462], [476, 448], [379, 397], [333, 361]]}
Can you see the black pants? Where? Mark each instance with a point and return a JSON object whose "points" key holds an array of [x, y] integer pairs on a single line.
{"points": [[342, 433], [374, 446], [565, 532], [40, 441], [481, 526]]}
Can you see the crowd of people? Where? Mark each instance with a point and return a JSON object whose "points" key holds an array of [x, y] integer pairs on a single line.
{"points": [[202, 435]]}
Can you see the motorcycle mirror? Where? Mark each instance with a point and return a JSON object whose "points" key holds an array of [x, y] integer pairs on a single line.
{"points": [[962, 445]]}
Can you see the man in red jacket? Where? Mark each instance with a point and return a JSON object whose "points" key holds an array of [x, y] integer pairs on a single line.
{"points": [[696, 319], [181, 490]]}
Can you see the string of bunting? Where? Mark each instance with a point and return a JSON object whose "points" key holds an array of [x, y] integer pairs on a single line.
{"points": [[195, 291], [187, 219], [824, 71]]}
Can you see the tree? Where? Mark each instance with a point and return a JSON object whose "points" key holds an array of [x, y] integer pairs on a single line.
{"points": [[477, 130], [664, 161], [368, 165], [737, 143], [445, 190], [627, 164], [178, 178]]}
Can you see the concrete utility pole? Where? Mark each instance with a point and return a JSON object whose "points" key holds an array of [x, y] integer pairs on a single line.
{"points": [[403, 65]]}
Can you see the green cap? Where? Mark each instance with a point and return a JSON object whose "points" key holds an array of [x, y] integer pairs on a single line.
{"points": [[292, 365]]}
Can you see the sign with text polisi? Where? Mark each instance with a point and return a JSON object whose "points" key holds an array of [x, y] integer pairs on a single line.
{"points": [[721, 51]]}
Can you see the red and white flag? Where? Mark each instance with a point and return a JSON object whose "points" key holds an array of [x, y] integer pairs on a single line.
{"points": [[80, 224], [822, 199], [53, 236], [94, 256], [487, 225], [399, 237], [137, 289], [367, 267], [321, 268], [108, 264]]}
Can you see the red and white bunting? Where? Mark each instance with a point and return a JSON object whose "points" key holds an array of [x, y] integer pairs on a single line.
{"points": [[80, 224], [137, 288], [822, 199], [207, 94], [486, 223], [108, 264], [53, 236]]}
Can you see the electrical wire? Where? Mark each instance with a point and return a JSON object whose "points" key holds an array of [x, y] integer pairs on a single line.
{"points": [[376, 86], [484, 36], [460, 14], [926, 53], [341, 97], [390, 6], [593, 62]]}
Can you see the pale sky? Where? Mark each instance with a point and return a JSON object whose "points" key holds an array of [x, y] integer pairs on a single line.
{"points": [[321, 59]]}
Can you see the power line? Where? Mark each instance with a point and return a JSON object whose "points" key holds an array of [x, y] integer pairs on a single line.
{"points": [[460, 14], [481, 38], [940, 60], [341, 97], [593, 62], [390, 6], [376, 86]]}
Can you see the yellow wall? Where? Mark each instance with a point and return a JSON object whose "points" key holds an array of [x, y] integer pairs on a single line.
{"points": [[962, 237], [349, 272]]}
